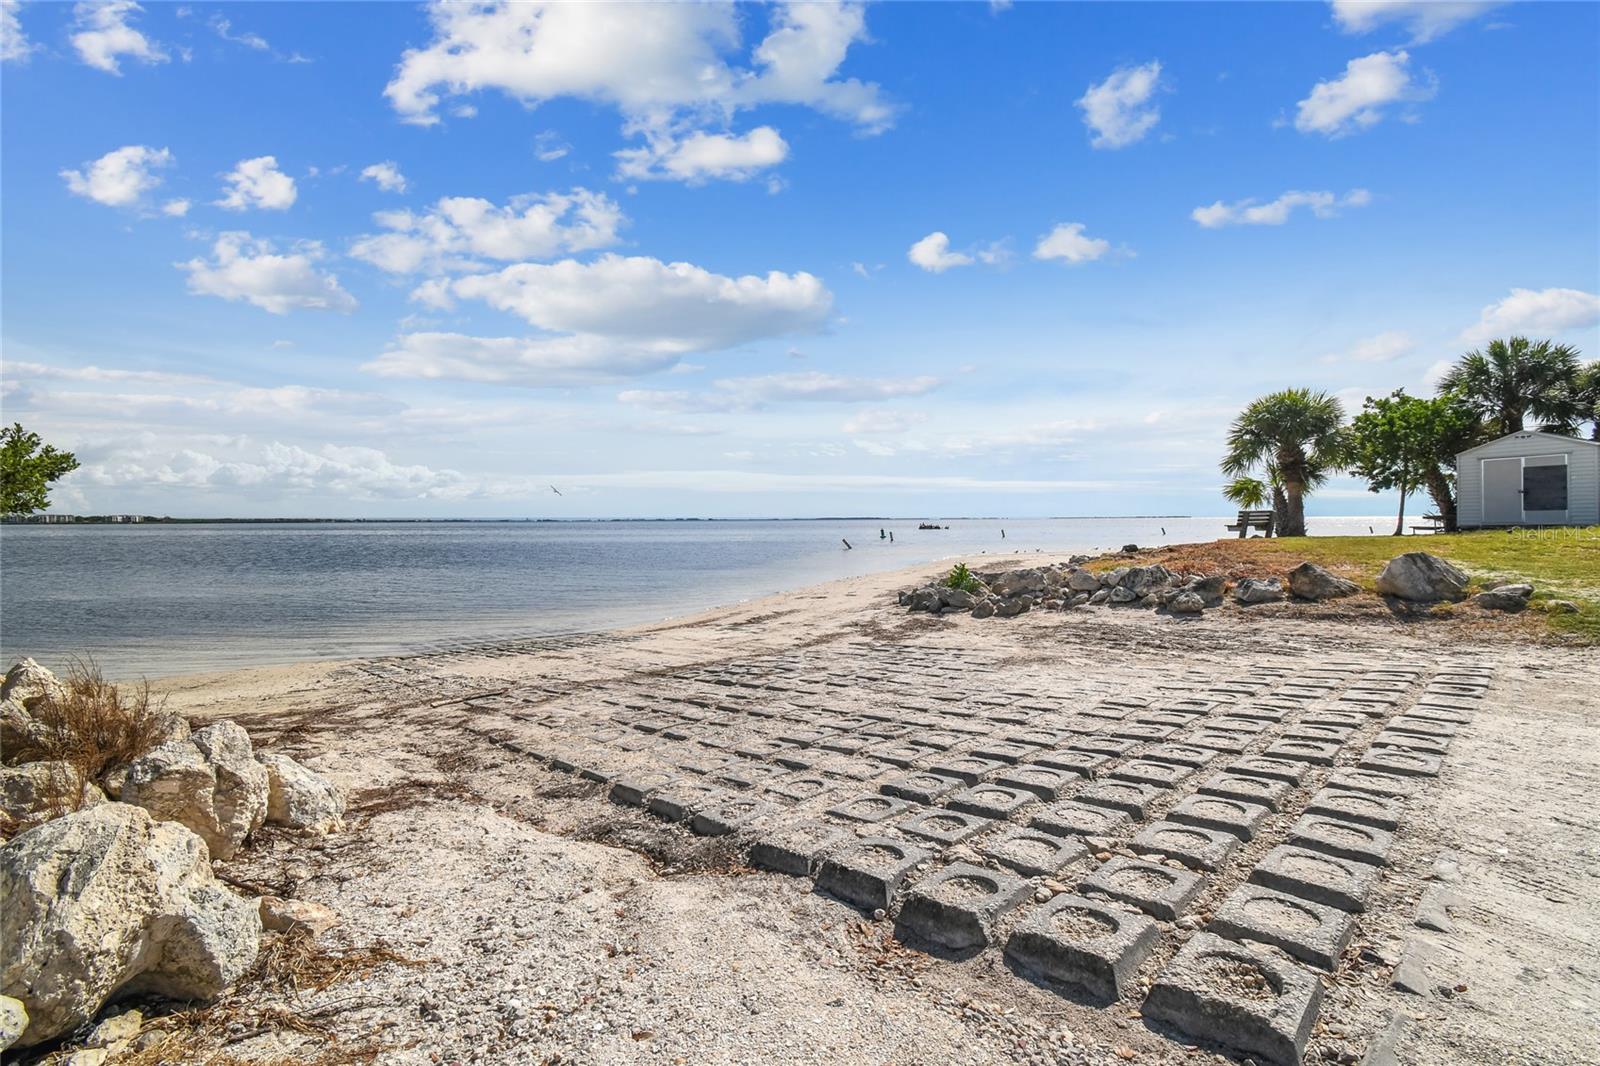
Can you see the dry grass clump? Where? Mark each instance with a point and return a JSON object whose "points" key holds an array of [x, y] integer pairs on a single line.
{"points": [[94, 726], [293, 963]]}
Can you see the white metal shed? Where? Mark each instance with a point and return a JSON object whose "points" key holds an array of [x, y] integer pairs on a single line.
{"points": [[1531, 478]]}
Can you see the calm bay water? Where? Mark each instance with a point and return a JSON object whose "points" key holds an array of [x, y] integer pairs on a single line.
{"points": [[157, 600]]}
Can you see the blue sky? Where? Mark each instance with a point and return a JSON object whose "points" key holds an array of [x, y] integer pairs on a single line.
{"points": [[385, 259]]}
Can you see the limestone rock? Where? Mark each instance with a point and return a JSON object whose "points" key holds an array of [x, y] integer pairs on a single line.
{"points": [[1078, 599], [108, 901], [1100, 597], [1421, 578], [1186, 603], [115, 1028], [1142, 579], [1504, 598], [210, 782], [35, 792], [299, 798], [1311, 582], [281, 915], [958, 598], [1012, 608], [19, 730], [1123, 595], [13, 1021], [1083, 581], [984, 609], [1009, 583], [1258, 590], [1561, 607], [27, 682]]}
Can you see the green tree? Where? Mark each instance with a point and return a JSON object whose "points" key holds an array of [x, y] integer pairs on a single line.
{"points": [[1586, 398], [1248, 492], [1405, 443], [1297, 436], [1511, 380], [28, 466]]}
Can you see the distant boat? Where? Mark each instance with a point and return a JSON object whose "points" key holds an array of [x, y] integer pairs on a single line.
{"points": [[930, 525]]}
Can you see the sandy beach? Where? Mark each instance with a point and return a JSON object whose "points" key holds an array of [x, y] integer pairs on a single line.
{"points": [[551, 923]]}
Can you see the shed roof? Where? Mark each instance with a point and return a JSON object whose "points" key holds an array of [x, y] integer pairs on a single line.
{"points": [[1530, 434]]}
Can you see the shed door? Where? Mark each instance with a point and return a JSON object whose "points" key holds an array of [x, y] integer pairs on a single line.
{"points": [[1502, 492], [1544, 488]]}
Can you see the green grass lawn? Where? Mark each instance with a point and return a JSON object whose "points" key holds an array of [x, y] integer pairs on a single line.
{"points": [[1561, 564]]}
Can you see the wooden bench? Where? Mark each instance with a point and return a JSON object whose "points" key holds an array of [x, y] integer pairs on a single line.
{"points": [[1431, 523], [1249, 520]]}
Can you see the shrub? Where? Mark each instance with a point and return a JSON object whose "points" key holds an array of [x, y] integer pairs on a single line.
{"points": [[962, 578], [94, 726]]}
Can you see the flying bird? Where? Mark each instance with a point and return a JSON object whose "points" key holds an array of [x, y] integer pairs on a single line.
{"points": [[555, 490]]}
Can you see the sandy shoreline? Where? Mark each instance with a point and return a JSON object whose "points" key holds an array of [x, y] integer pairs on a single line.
{"points": [[554, 925]]}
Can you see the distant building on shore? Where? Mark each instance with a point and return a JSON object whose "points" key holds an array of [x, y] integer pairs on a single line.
{"points": [[1529, 478], [71, 519]]}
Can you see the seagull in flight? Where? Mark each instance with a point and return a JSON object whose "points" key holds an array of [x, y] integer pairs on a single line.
{"points": [[555, 490]]}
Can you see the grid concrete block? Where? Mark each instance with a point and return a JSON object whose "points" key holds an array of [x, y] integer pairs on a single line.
{"points": [[1320, 878], [1238, 817], [729, 815], [1084, 943], [924, 787], [1391, 738], [1155, 889], [797, 788], [968, 768], [1104, 745], [1241, 997], [957, 906], [872, 808], [1194, 846], [1071, 818], [631, 790], [679, 800], [796, 849], [991, 800], [868, 872], [1403, 763], [1314, 933], [1147, 771], [1342, 839], [1265, 791], [1082, 763], [1331, 734], [1181, 755], [1133, 797], [1287, 770], [1046, 782], [1316, 752], [1220, 741], [1363, 808], [1032, 852], [1375, 783], [1006, 751], [945, 826]]}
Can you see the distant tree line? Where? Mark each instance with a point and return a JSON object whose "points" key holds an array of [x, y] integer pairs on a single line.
{"points": [[1286, 444]]}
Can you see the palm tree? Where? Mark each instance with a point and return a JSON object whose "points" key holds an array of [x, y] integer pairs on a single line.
{"points": [[1298, 436], [1586, 393], [1512, 379]]}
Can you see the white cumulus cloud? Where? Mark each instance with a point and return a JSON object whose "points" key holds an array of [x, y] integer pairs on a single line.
{"points": [[701, 156], [1535, 313], [1068, 243], [1425, 19], [387, 175], [257, 183], [932, 253], [1120, 110], [761, 391], [14, 44], [458, 232], [612, 317], [1277, 212], [665, 67], [1383, 347], [245, 268], [1358, 98], [120, 178], [102, 35]]}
